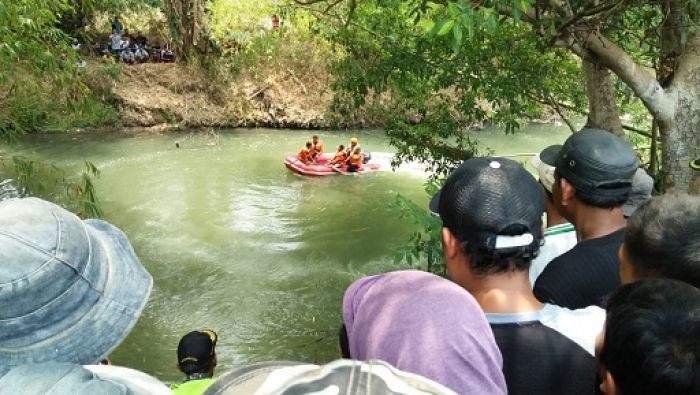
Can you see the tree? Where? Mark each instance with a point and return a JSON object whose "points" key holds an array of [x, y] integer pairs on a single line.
{"points": [[433, 88], [592, 29]]}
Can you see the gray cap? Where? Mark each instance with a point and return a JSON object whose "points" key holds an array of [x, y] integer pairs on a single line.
{"points": [[642, 186], [70, 290], [343, 376]]}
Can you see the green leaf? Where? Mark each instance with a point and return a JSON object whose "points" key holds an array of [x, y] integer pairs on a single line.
{"points": [[457, 39], [444, 27]]}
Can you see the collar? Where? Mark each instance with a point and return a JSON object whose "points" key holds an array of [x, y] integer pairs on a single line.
{"points": [[198, 376]]}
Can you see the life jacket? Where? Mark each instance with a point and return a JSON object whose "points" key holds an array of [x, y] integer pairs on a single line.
{"points": [[356, 159], [304, 155], [339, 158]]}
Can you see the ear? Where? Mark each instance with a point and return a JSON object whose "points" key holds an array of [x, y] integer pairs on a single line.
{"points": [[450, 245], [608, 385], [568, 192], [627, 275]]}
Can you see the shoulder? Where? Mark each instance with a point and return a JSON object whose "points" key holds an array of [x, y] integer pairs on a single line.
{"points": [[582, 326]]}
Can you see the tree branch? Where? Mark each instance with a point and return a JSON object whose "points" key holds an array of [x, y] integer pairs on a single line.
{"points": [[640, 80]]}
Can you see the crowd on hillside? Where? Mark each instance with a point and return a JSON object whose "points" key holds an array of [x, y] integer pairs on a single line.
{"points": [[601, 298]]}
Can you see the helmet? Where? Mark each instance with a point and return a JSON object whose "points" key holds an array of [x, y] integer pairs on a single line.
{"points": [[353, 140]]}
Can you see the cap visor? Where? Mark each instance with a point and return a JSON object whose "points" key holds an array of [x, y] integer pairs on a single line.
{"points": [[434, 205], [549, 155]]}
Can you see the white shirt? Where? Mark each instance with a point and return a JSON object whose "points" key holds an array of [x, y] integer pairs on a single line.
{"points": [[557, 240]]}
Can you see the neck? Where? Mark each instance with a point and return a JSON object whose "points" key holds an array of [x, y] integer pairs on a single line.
{"points": [[553, 216], [594, 222], [505, 293]]}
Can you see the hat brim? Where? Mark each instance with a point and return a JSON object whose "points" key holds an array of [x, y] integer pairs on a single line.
{"points": [[110, 319]]}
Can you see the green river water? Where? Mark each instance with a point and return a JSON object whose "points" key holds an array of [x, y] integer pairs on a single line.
{"points": [[237, 243]]}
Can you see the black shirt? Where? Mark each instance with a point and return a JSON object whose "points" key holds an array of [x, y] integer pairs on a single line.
{"points": [[544, 354], [583, 276]]}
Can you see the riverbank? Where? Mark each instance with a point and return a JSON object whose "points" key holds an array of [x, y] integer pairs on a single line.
{"points": [[174, 95]]}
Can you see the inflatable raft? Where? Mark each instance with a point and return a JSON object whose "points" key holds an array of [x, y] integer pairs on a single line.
{"points": [[322, 168]]}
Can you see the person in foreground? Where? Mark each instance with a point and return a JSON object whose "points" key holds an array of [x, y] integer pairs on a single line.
{"points": [[593, 178], [343, 376], [61, 378], [393, 317], [662, 239], [71, 289], [651, 344], [491, 210], [196, 358]]}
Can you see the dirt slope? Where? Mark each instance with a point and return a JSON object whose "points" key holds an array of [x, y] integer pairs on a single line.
{"points": [[158, 93]]}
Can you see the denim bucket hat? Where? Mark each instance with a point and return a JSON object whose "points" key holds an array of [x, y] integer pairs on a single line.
{"points": [[70, 290], [61, 378]]}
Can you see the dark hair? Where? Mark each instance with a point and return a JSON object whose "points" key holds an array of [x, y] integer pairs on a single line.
{"points": [[344, 342], [308, 144], [515, 259], [652, 338], [192, 367], [662, 238], [341, 147], [314, 137]]}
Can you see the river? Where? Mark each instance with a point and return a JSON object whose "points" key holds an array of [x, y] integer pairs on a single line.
{"points": [[237, 243]]}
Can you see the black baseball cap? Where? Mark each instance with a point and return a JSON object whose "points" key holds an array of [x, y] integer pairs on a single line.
{"points": [[196, 350], [596, 162], [493, 204]]}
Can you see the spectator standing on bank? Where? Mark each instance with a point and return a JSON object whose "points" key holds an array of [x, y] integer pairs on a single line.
{"points": [[491, 210], [559, 234], [72, 289], [651, 344], [662, 239], [593, 178], [393, 317]]}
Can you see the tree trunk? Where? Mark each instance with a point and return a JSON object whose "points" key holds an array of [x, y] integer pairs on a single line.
{"points": [[185, 17], [678, 72], [680, 135], [603, 112]]}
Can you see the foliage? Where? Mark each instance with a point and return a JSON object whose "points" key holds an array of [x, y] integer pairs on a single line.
{"points": [[424, 246], [239, 20], [434, 85], [41, 85], [47, 181]]}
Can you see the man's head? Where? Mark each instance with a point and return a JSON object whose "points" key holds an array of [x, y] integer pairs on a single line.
{"points": [[308, 144], [314, 138], [652, 340], [341, 147], [594, 168], [491, 210], [662, 239], [70, 289], [196, 352], [544, 163], [353, 141]]}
